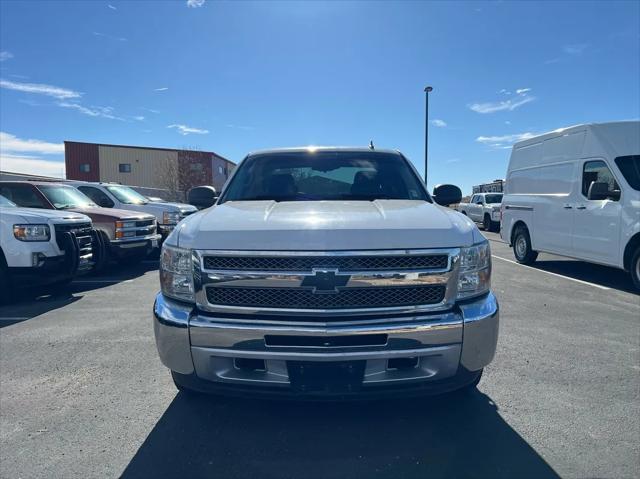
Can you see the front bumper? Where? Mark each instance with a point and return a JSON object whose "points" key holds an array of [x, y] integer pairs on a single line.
{"points": [[441, 349], [134, 246]]}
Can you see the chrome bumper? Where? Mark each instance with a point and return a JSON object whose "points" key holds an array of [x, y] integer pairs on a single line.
{"points": [[191, 342]]}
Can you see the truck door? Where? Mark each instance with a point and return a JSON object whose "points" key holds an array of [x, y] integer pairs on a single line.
{"points": [[596, 230]]}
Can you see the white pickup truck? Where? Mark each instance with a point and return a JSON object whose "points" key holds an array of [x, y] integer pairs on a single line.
{"points": [[484, 208], [326, 272], [41, 246]]}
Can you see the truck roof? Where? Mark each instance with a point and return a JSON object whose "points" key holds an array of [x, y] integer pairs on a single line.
{"points": [[310, 148]]}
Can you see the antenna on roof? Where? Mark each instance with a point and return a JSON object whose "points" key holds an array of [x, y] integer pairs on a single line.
{"points": [[371, 147]]}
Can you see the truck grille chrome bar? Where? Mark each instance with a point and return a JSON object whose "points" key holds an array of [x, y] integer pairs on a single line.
{"points": [[301, 283]]}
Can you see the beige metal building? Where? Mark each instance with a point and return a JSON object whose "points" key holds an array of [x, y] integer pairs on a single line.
{"points": [[157, 168]]}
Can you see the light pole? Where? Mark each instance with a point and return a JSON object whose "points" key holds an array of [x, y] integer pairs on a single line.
{"points": [[427, 90]]}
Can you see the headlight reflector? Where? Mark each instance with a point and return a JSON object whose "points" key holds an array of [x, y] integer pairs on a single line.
{"points": [[32, 232], [176, 273], [170, 218], [474, 277]]}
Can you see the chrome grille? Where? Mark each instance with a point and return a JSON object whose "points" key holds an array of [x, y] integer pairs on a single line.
{"points": [[342, 263], [302, 298]]}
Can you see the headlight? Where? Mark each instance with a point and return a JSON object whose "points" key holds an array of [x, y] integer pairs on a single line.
{"points": [[176, 273], [32, 232], [474, 277], [170, 218]]}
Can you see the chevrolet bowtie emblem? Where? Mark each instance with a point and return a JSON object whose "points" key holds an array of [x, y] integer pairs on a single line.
{"points": [[325, 282]]}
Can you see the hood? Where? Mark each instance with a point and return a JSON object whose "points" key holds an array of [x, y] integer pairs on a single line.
{"points": [[113, 213], [38, 215], [182, 207], [326, 226]]}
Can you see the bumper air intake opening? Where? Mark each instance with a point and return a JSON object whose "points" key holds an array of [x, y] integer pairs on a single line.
{"points": [[402, 363], [326, 341], [249, 364]]}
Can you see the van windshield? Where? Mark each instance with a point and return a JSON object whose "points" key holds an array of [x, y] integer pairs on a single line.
{"points": [[325, 175], [630, 168]]}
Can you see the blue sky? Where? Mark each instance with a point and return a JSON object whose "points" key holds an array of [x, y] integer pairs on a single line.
{"points": [[233, 77]]}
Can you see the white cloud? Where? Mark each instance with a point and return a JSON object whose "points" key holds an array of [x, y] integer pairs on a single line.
{"points": [[111, 7], [575, 49], [195, 3], [504, 141], [492, 107], [150, 110], [110, 37], [522, 91], [164, 88], [13, 144], [186, 130], [5, 55], [31, 165], [439, 123], [95, 111], [139, 118], [20, 155], [40, 89]]}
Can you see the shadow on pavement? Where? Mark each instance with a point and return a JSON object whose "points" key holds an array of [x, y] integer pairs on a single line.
{"points": [[446, 436], [27, 303], [593, 273]]}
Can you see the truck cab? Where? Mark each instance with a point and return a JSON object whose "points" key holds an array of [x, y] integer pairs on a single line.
{"points": [[484, 208], [113, 195], [41, 246], [326, 272]]}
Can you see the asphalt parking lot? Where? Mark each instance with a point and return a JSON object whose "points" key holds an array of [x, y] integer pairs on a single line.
{"points": [[83, 393]]}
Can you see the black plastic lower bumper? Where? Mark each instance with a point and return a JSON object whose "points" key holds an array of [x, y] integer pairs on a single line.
{"points": [[462, 379], [128, 249]]}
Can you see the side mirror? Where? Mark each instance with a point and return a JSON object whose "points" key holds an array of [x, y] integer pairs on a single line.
{"points": [[202, 196], [446, 195], [599, 190]]}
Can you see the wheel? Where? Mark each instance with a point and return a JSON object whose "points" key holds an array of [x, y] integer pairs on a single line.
{"points": [[486, 223], [522, 246], [4, 283], [634, 269], [495, 226]]}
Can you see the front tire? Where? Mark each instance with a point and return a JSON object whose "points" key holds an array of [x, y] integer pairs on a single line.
{"points": [[522, 246], [634, 269]]}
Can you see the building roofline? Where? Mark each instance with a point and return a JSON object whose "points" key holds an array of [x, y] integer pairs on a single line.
{"points": [[157, 148]]}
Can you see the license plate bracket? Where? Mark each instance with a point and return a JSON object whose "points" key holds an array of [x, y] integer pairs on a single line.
{"points": [[326, 377]]}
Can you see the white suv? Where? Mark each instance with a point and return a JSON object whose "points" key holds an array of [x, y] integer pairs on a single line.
{"points": [[112, 195], [42, 246]]}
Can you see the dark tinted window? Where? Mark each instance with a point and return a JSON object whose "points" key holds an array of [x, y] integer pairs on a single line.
{"points": [[97, 196], [323, 175], [124, 167], [493, 198], [630, 169], [597, 171], [23, 195]]}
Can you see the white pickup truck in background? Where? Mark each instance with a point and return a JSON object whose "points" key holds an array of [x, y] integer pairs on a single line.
{"points": [[484, 208]]}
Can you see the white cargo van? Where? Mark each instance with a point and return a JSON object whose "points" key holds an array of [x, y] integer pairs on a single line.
{"points": [[576, 192]]}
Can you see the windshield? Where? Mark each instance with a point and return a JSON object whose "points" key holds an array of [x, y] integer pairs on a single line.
{"points": [[309, 176], [630, 169], [127, 195], [5, 203], [493, 198], [62, 197]]}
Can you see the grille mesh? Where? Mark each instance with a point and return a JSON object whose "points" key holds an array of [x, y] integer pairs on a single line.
{"points": [[343, 263], [301, 298]]}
